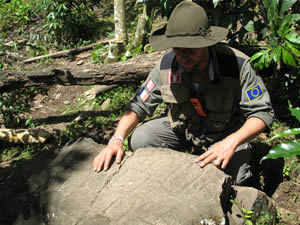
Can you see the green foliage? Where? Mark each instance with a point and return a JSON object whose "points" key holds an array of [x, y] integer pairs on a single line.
{"points": [[70, 22], [99, 54], [17, 152], [119, 97], [18, 12], [283, 42], [30, 122], [265, 219], [288, 148], [288, 167], [8, 107], [247, 214], [14, 103]]}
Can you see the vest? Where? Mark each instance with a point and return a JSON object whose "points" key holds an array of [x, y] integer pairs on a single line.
{"points": [[218, 102]]}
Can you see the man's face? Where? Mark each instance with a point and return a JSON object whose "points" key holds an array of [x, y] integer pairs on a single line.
{"points": [[194, 60]]}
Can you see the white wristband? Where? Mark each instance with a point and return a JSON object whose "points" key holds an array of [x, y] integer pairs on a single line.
{"points": [[116, 138]]}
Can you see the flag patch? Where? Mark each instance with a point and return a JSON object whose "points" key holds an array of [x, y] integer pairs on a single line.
{"points": [[254, 93], [174, 78], [150, 85], [143, 94]]}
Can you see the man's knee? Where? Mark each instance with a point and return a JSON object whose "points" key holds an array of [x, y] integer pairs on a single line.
{"points": [[239, 166], [142, 139], [137, 140]]}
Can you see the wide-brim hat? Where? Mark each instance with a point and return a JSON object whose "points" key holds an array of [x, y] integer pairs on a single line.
{"points": [[187, 27]]}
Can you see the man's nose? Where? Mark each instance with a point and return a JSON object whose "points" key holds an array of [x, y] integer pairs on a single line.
{"points": [[182, 52]]}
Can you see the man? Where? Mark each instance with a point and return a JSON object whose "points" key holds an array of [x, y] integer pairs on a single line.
{"points": [[215, 100]]}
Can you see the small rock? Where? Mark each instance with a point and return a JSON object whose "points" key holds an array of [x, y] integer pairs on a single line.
{"points": [[57, 96], [105, 104], [79, 63]]}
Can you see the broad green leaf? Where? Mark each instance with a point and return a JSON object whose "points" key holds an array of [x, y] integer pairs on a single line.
{"points": [[295, 112], [286, 133], [273, 13], [285, 24], [256, 55], [293, 48], [285, 150], [288, 58], [289, 30], [293, 38], [285, 5], [268, 59], [261, 62], [277, 54]]}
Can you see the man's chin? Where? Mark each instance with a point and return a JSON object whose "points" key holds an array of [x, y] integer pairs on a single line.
{"points": [[188, 68]]}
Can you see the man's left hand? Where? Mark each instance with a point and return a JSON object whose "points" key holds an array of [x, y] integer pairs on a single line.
{"points": [[219, 154]]}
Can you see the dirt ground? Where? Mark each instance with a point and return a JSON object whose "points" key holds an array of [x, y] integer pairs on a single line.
{"points": [[56, 99]]}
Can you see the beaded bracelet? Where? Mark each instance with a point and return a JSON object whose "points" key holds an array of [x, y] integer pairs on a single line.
{"points": [[116, 138]]}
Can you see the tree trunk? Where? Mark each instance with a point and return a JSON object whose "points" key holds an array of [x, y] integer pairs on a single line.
{"points": [[120, 21], [133, 70], [141, 29], [117, 47]]}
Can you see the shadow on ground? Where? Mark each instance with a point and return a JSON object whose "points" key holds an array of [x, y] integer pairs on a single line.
{"points": [[23, 187]]}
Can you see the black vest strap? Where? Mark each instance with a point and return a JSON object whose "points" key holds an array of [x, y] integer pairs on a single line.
{"points": [[167, 61]]}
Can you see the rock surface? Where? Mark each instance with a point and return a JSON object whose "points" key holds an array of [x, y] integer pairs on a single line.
{"points": [[151, 186]]}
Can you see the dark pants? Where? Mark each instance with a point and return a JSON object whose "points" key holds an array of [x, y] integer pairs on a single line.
{"points": [[158, 133]]}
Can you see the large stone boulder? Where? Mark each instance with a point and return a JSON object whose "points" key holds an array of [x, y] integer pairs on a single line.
{"points": [[151, 186]]}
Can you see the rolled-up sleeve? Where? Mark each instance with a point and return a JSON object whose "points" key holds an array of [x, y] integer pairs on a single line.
{"points": [[148, 96], [255, 99]]}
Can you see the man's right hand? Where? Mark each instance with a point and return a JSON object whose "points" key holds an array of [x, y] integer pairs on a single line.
{"points": [[102, 160]]}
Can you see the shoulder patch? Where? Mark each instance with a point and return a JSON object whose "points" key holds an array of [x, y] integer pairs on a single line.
{"points": [[254, 92], [150, 85], [143, 94]]}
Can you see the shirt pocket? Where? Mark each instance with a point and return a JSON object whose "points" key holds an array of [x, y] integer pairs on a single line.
{"points": [[219, 106]]}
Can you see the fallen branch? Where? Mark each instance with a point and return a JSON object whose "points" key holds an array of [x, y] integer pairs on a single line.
{"points": [[66, 52]]}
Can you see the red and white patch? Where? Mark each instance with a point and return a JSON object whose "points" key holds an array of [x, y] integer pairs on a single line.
{"points": [[174, 78], [150, 85]]}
